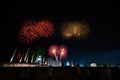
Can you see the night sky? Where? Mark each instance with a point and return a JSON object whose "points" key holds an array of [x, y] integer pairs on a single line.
{"points": [[102, 45]]}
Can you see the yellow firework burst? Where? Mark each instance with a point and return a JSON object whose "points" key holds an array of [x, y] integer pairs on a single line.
{"points": [[74, 29], [66, 32]]}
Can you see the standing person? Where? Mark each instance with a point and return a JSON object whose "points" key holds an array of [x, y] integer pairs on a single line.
{"points": [[79, 75], [63, 74], [104, 74], [87, 74], [50, 73]]}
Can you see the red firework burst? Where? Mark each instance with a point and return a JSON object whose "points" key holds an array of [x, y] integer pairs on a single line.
{"points": [[53, 50], [28, 32], [45, 28], [62, 52]]}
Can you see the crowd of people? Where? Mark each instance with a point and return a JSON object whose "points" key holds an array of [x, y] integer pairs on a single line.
{"points": [[61, 73]]}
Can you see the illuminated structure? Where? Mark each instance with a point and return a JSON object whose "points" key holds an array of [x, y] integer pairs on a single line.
{"points": [[67, 63], [93, 65], [39, 59]]}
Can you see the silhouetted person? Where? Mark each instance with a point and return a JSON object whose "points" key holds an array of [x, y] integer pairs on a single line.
{"points": [[50, 73], [63, 74], [87, 74], [115, 73], [78, 73], [104, 74], [93, 73]]}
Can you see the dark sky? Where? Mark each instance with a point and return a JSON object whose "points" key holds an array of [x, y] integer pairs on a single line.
{"points": [[100, 14]]}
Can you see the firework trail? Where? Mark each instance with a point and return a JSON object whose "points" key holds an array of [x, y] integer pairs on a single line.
{"points": [[21, 58], [53, 50], [32, 58], [26, 55], [63, 52], [13, 55], [58, 52], [27, 59]]}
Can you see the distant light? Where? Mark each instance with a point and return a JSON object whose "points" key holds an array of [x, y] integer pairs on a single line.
{"points": [[40, 56], [102, 65], [81, 65], [72, 65], [46, 62], [39, 59], [93, 65], [68, 63]]}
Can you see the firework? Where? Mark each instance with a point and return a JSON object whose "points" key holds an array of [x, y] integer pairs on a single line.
{"points": [[28, 32], [74, 29], [63, 51], [21, 59], [13, 55], [67, 33], [26, 55], [32, 58], [53, 50], [27, 59], [45, 28]]}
